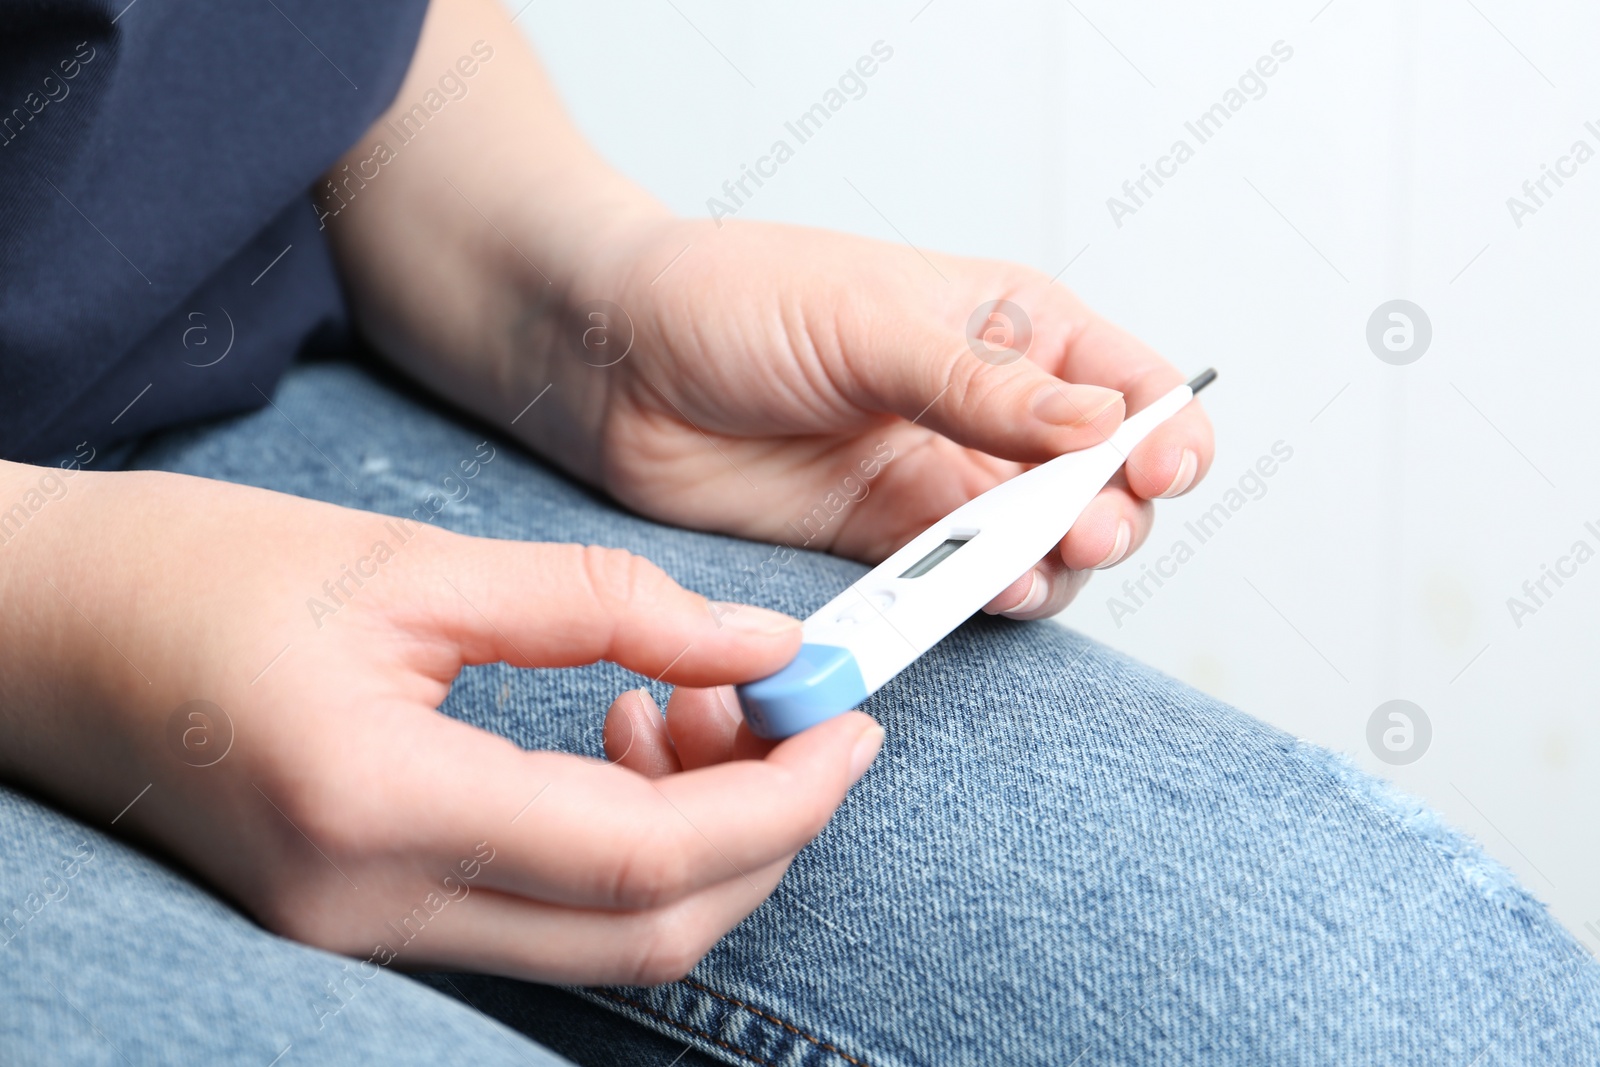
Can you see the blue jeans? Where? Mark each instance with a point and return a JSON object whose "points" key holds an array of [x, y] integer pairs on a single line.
{"points": [[1061, 856]]}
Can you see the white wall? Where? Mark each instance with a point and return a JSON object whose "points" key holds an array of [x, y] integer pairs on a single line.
{"points": [[1419, 498]]}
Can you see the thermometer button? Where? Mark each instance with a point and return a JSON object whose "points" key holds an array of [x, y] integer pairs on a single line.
{"points": [[868, 605]]}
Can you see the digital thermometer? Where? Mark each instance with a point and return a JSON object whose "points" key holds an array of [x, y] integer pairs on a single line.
{"points": [[908, 603]]}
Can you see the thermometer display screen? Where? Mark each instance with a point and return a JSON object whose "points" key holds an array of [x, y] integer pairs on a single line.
{"points": [[943, 552]]}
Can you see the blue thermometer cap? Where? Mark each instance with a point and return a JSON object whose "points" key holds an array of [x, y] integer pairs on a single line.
{"points": [[823, 681]]}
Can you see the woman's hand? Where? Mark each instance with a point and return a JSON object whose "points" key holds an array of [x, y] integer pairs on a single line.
{"points": [[249, 682], [808, 387]]}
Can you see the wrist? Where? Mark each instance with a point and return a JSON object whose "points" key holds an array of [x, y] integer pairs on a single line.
{"points": [[53, 666], [568, 332]]}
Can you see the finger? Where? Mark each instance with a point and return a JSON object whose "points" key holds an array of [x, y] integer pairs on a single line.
{"points": [[1109, 530], [487, 931], [635, 735], [705, 723], [1175, 456], [1012, 408], [1177, 453], [706, 727], [1022, 595], [556, 605], [1044, 591], [598, 835]]}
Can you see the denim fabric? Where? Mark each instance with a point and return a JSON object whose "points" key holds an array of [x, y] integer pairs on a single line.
{"points": [[107, 956], [1061, 856]]}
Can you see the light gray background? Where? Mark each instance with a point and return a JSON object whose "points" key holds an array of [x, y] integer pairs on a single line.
{"points": [[1377, 166]]}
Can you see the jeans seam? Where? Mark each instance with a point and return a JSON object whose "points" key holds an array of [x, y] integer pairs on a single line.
{"points": [[697, 1032], [825, 1046]]}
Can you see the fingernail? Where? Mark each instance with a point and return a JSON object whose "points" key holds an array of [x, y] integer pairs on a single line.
{"points": [[1038, 592], [752, 620], [866, 751], [730, 704], [1187, 467], [1120, 549], [648, 701], [1069, 405]]}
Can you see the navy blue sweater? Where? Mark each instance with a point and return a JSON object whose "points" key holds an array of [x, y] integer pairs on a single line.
{"points": [[160, 257]]}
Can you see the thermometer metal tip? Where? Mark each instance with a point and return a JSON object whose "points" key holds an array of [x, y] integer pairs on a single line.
{"points": [[1203, 379]]}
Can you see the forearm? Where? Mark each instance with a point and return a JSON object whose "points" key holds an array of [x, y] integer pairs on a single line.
{"points": [[464, 234]]}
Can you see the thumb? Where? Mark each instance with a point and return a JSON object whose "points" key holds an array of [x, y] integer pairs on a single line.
{"points": [[981, 394], [558, 605]]}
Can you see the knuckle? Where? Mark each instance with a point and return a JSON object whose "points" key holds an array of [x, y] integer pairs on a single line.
{"points": [[330, 812], [617, 577], [973, 384], [285, 913], [669, 949], [300, 905], [651, 871], [323, 831]]}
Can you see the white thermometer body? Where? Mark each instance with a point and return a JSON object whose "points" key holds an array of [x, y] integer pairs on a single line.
{"points": [[908, 603]]}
